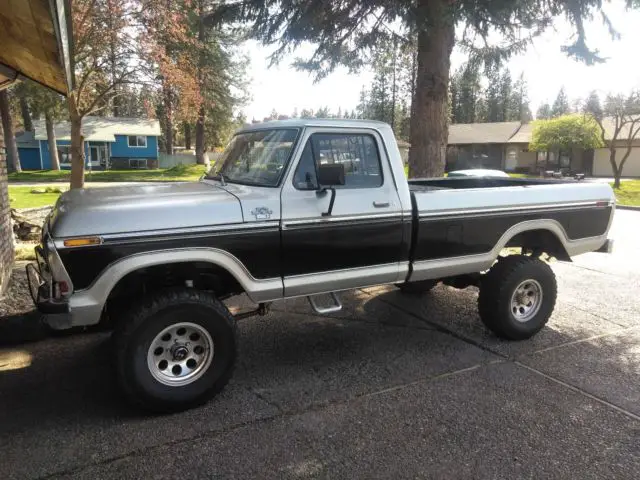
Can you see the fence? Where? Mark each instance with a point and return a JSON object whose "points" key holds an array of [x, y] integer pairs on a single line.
{"points": [[168, 161]]}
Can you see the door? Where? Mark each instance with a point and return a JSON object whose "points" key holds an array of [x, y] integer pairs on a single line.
{"points": [[94, 159], [361, 242]]}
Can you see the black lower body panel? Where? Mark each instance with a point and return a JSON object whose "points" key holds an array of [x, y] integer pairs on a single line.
{"points": [[442, 237], [257, 249]]}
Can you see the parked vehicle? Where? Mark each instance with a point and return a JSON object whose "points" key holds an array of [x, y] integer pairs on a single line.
{"points": [[478, 172], [278, 220]]}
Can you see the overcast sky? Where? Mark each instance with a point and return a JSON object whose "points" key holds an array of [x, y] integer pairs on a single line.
{"points": [[545, 67]]}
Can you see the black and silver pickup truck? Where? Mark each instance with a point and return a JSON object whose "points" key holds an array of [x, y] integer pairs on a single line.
{"points": [[297, 208]]}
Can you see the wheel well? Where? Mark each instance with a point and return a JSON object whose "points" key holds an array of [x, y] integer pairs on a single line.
{"points": [[540, 241], [198, 275]]}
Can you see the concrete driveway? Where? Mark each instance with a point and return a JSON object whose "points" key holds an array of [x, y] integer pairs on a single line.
{"points": [[391, 387]]}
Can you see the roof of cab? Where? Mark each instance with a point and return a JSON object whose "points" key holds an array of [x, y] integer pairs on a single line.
{"points": [[314, 122]]}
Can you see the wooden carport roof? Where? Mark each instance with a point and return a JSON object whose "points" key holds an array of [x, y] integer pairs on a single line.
{"points": [[35, 43]]}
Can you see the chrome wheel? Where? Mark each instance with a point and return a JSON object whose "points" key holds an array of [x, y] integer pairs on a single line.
{"points": [[526, 300], [180, 354]]}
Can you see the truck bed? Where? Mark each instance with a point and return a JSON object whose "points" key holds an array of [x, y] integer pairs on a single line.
{"points": [[461, 224], [427, 184]]}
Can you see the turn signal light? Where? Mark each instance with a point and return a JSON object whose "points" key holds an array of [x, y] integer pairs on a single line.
{"points": [[82, 242]]}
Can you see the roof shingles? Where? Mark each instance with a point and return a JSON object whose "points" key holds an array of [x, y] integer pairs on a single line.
{"points": [[469, 133], [101, 129]]}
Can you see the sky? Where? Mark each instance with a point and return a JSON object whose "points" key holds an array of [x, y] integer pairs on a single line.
{"points": [[545, 68]]}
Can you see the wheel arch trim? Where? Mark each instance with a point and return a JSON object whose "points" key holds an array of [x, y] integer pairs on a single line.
{"points": [[452, 266], [87, 305]]}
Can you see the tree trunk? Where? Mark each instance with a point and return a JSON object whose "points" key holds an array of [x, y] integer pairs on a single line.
{"points": [[26, 114], [168, 120], [51, 141], [617, 172], [201, 61], [187, 135], [200, 137], [77, 145], [429, 124], [393, 87], [13, 160]]}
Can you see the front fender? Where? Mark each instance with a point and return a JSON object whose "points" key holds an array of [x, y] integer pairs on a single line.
{"points": [[86, 305]]}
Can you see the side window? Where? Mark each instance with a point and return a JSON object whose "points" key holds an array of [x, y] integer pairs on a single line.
{"points": [[357, 152], [305, 176]]}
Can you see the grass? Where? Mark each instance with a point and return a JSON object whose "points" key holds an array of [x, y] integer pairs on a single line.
{"points": [[30, 197], [175, 174], [24, 197], [25, 251], [628, 193], [522, 175]]}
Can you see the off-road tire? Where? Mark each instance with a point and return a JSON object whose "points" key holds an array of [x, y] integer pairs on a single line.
{"points": [[417, 288], [135, 332], [497, 288]]}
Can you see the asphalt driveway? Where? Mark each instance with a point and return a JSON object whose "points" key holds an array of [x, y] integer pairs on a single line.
{"points": [[391, 387]]}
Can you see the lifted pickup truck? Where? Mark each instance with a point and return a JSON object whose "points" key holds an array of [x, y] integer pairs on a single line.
{"points": [[297, 208]]}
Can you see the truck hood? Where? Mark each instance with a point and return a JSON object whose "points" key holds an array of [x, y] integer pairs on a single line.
{"points": [[139, 208]]}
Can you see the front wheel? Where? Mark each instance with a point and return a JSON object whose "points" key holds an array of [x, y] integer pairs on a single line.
{"points": [[175, 350], [517, 297]]}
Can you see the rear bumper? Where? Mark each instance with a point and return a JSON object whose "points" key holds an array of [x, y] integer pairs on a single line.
{"points": [[607, 246]]}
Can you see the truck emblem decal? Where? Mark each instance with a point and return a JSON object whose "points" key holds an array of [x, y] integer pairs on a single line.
{"points": [[262, 213]]}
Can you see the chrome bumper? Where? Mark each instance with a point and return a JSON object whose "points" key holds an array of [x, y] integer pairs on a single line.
{"points": [[42, 287]]}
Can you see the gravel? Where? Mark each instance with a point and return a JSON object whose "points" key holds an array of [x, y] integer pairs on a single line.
{"points": [[19, 320]]}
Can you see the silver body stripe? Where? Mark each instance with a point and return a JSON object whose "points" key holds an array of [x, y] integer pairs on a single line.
{"points": [[157, 235], [518, 208]]}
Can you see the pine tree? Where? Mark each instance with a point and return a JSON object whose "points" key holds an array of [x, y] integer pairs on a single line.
{"points": [[544, 112], [520, 101], [592, 104], [494, 104], [561, 104], [507, 113]]}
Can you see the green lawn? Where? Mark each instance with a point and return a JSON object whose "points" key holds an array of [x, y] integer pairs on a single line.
{"points": [[628, 193], [177, 173], [22, 197]]}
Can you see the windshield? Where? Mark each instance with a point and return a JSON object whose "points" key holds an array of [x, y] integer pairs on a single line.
{"points": [[256, 158]]}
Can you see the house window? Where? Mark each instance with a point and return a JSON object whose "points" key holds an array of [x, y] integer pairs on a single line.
{"points": [[64, 154], [137, 141], [138, 163]]}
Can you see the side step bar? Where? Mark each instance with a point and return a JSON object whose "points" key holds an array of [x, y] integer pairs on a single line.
{"points": [[336, 307]]}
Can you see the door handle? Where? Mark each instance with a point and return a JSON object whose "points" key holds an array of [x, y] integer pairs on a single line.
{"points": [[380, 204]]}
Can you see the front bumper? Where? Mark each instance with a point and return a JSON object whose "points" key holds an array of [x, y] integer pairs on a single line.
{"points": [[42, 287]]}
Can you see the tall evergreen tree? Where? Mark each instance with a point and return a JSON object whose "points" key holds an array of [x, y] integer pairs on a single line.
{"points": [[507, 112], [347, 32], [520, 101], [592, 104], [561, 104], [544, 112]]}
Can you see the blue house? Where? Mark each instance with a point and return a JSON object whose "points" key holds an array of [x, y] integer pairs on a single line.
{"points": [[109, 143]]}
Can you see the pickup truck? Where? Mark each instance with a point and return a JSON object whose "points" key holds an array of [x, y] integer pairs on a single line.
{"points": [[297, 208]]}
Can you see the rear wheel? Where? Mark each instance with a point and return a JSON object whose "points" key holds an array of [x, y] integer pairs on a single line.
{"points": [[417, 288], [175, 350], [517, 297]]}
